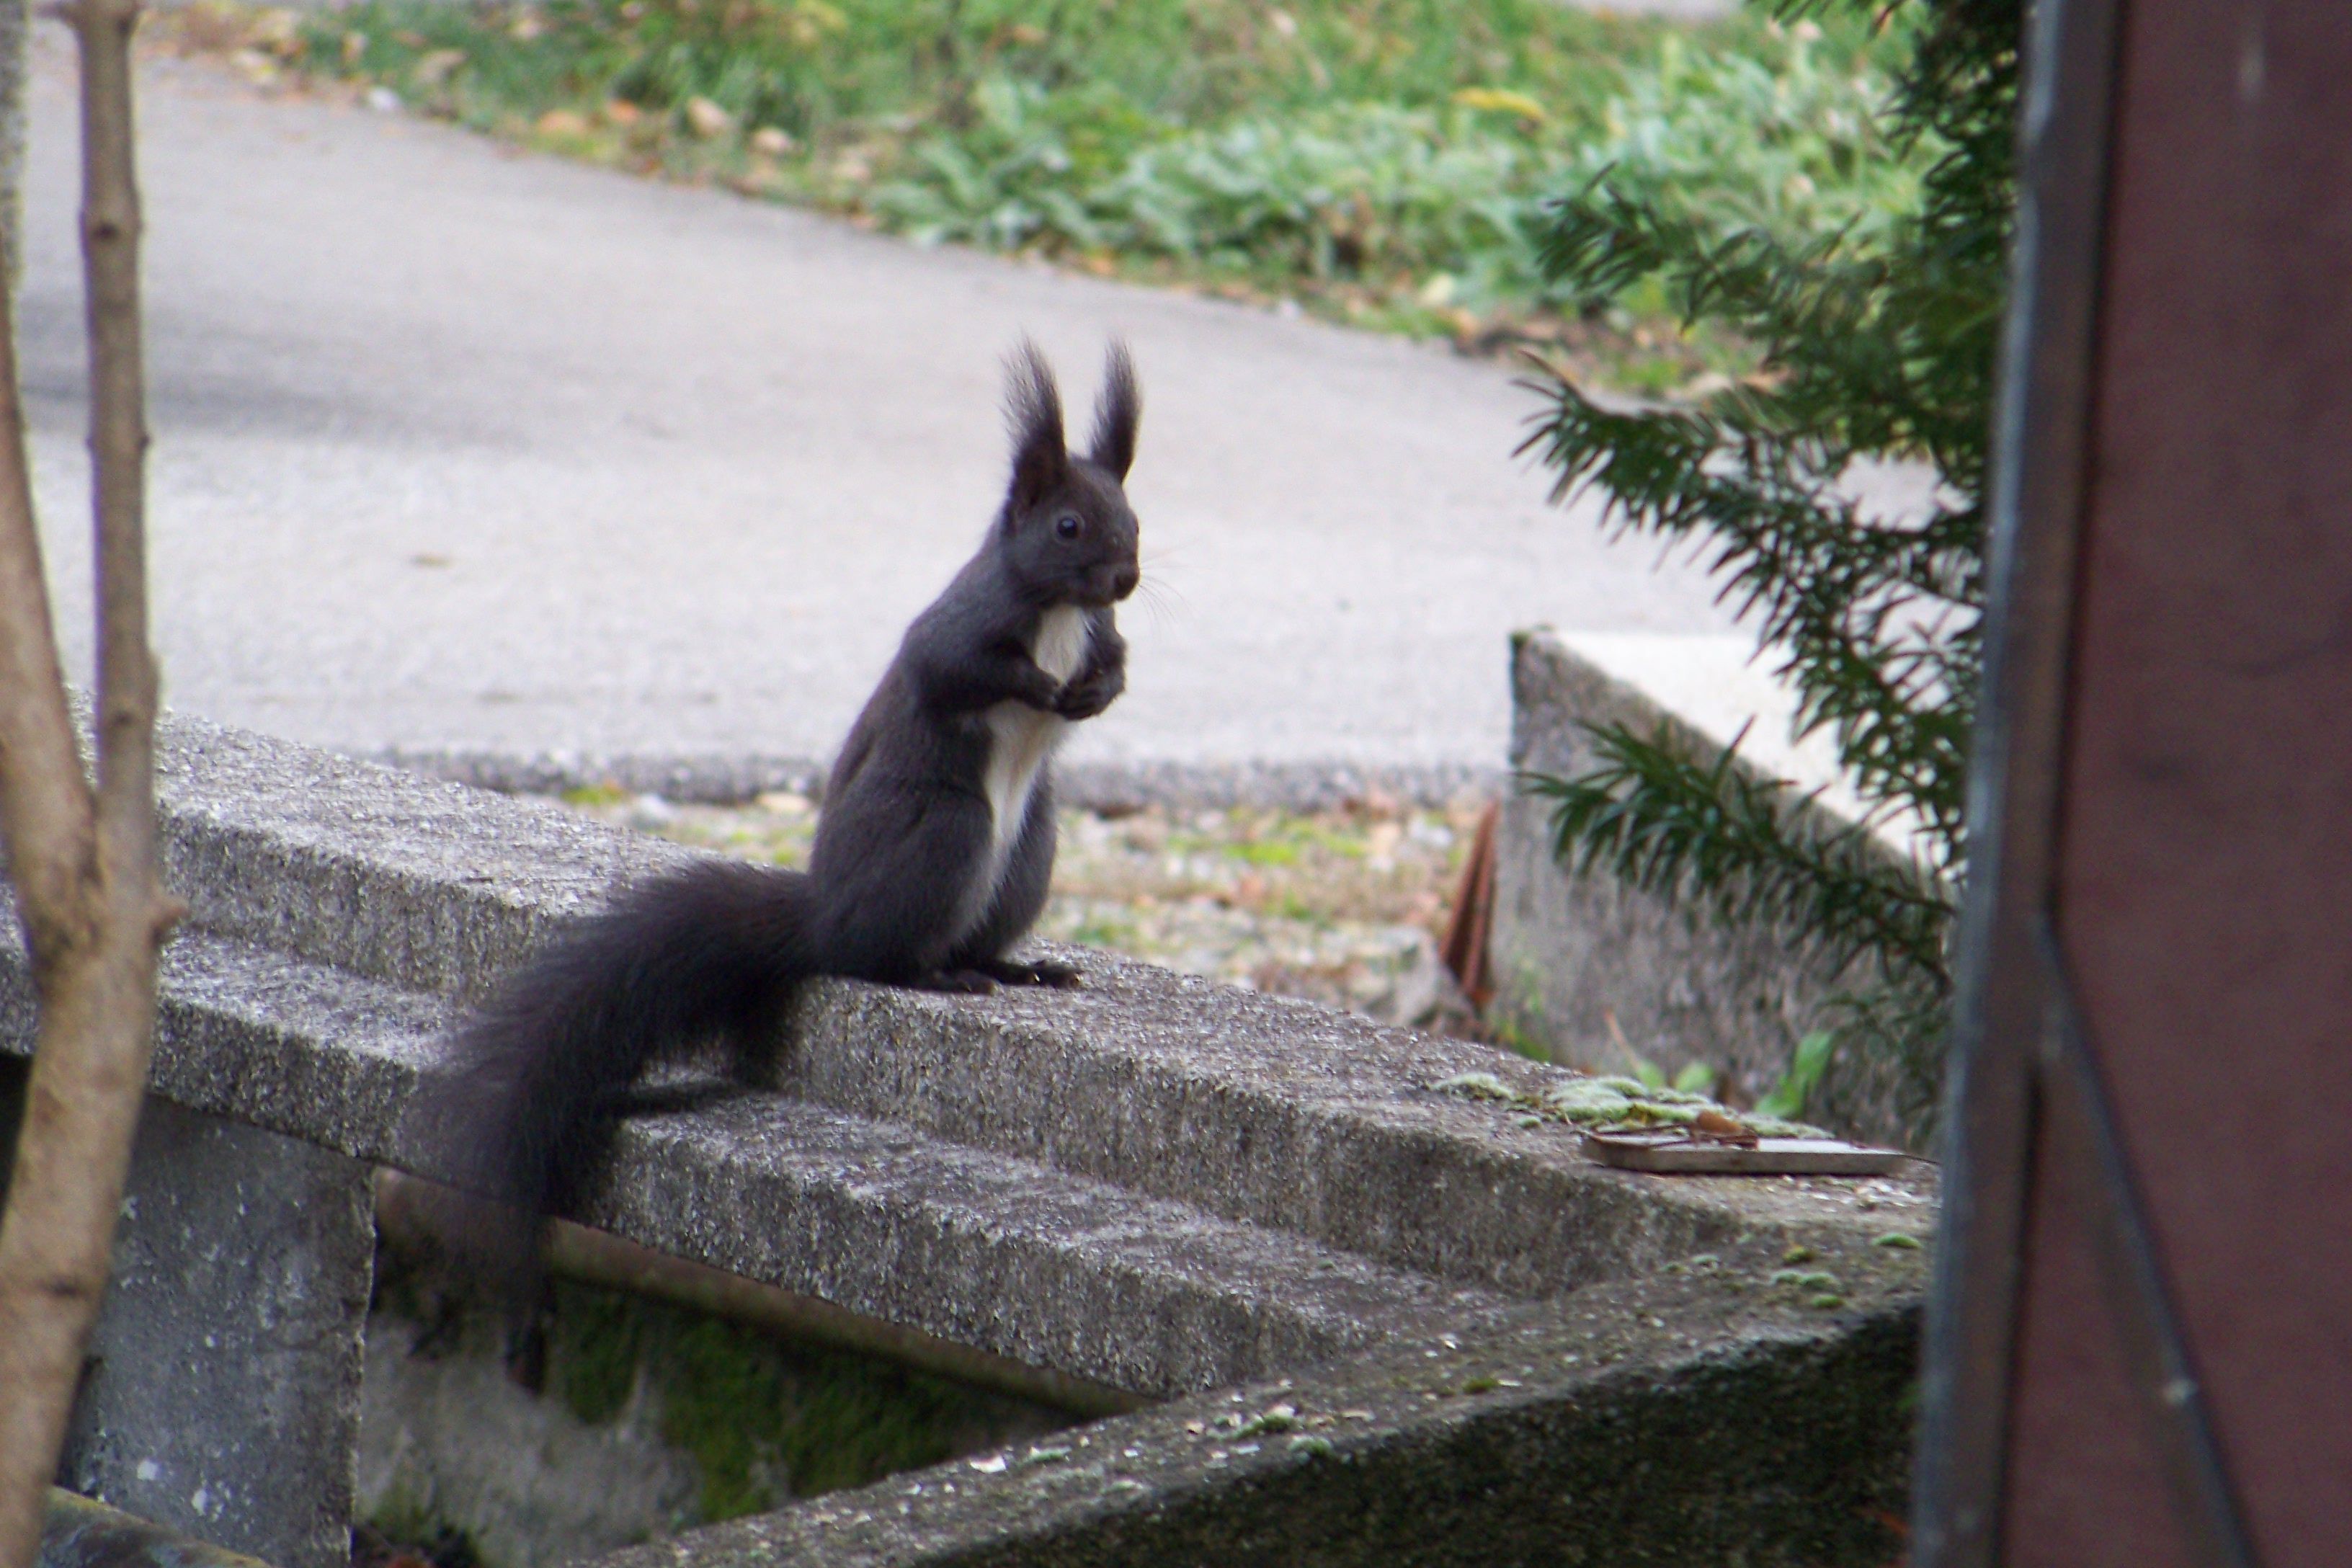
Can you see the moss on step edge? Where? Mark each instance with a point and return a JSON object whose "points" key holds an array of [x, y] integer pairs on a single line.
{"points": [[763, 1418]]}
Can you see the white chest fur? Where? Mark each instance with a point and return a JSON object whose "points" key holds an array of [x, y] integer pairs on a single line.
{"points": [[1021, 738]]}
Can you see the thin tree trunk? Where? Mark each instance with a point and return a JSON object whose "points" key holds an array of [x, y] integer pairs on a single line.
{"points": [[89, 894]]}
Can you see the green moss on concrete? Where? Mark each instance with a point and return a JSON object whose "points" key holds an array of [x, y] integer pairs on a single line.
{"points": [[595, 1341], [765, 1418]]}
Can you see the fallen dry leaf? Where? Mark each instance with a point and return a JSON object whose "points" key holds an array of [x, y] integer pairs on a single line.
{"points": [[1723, 1128]]}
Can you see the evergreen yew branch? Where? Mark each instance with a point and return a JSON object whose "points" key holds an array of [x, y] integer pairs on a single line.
{"points": [[1869, 348], [1654, 816]]}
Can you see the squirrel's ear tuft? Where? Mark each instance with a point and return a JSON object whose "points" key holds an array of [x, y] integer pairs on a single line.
{"points": [[1117, 413], [1033, 410]]}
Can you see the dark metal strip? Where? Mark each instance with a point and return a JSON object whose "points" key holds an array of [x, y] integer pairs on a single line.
{"points": [[2082, 1127], [2041, 441]]}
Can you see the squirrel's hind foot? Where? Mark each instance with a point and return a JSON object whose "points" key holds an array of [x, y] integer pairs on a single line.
{"points": [[1011, 971], [956, 982]]}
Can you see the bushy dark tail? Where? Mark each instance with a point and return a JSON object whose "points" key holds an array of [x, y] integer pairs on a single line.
{"points": [[701, 955]]}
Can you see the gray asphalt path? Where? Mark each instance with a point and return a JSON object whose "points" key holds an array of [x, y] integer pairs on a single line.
{"points": [[460, 448]]}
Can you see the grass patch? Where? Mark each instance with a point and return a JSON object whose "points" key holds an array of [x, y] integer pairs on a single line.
{"points": [[1381, 161]]}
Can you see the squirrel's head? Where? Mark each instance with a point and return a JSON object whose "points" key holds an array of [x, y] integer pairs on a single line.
{"points": [[1069, 533]]}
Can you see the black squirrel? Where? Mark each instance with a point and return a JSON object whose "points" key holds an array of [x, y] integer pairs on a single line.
{"points": [[934, 843]]}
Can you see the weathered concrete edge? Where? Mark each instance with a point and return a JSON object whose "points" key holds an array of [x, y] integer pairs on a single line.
{"points": [[1037, 1265], [410, 1211], [1708, 1415], [1249, 1107], [1604, 697], [1277, 1114], [1029, 1263]]}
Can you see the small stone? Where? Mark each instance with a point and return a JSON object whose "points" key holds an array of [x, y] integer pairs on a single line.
{"points": [[1279, 1419], [706, 120], [771, 140], [437, 66]]}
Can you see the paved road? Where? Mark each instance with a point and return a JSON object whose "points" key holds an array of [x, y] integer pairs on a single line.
{"points": [[460, 447]]}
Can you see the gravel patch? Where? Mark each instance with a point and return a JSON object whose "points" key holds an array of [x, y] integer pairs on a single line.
{"points": [[735, 779], [1342, 905]]}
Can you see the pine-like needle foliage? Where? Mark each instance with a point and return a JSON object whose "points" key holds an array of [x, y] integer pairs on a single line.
{"points": [[1874, 347]]}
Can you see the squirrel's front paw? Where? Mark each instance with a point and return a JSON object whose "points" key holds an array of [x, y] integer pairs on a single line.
{"points": [[1085, 699]]}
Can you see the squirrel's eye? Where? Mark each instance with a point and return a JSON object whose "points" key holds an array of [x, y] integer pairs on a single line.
{"points": [[1067, 527]]}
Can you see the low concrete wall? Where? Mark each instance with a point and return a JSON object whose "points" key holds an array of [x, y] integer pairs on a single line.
{"points": [[1155, 1182], [1703, 1416], [1597, 973], [241, 1280], [220, 1399]]}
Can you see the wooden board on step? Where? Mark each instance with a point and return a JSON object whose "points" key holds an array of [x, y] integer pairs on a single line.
{"points": [[1698, 1151]]}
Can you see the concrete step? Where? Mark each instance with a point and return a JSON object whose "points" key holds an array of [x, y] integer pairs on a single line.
{"points": [[1261, 1111], [1015, 1257]]}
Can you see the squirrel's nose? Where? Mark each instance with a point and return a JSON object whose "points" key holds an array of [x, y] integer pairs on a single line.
{"points": [[1128, 576]]}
